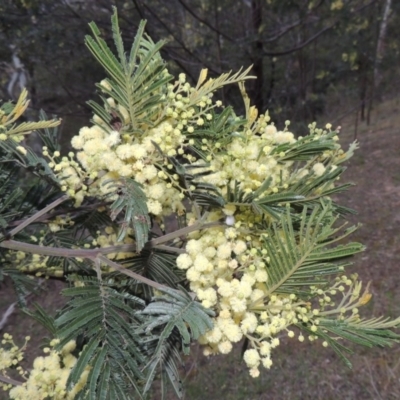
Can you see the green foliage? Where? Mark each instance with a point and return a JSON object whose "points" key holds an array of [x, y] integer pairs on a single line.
{"points": [[135, 81], [174, 317], [105, 320], [132, 200], [301, 252], [157, 265]]}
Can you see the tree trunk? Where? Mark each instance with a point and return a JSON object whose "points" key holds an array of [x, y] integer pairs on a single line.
{"points": [[380, 47], [256, 11]]}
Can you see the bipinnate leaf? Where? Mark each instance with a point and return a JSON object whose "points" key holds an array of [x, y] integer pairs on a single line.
{"points": [[174, 320], [105, 320], [365, 332], [132, 201], [135, 81], [298, 258]]}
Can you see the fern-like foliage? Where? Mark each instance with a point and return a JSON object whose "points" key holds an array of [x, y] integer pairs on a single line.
{"points": [[29, 161], [305, 148], [106, 320], [27, 185], [135, 80], [172, 313], [269, 242], [301, 257], [365, 332], [205, 87], [131, 200], [10, 113], [49, 134], [154, 264], [23, 285], [42, 316]]}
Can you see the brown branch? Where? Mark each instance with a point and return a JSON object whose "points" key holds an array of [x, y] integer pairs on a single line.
{"points": [[93, 253], [183, 46], [311, 39], [64, 252], [203, 21], [180, 232], [300, 46], [11, 381], [169, 52], [283, 31], [130, 273], [37, 215]]}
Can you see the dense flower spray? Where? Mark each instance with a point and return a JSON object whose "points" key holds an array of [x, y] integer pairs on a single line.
{"points": [[256, 256]]}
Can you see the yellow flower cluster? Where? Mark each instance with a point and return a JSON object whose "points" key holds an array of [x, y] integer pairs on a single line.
{"points": [[109, 238], [71, 175], [250, 161], [49, 375], [10, 356], [105, 154], [229, 275], [225, 265]]}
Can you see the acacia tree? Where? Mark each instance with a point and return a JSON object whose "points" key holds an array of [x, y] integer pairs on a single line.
{"points": [[174, 220]]}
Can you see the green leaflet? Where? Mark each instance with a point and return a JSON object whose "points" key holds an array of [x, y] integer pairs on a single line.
{"points": [[297, 257], [105, 319], [306, 148], [172, 313], [369, 333], [135, 81], [132, 201]]}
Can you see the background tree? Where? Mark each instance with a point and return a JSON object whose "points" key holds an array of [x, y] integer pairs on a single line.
{"points": [[301, 51]]}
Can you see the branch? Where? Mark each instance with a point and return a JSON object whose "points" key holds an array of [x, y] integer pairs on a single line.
{"points": [[130, 273], [37, 215], [170, 249], [283, 31], [193, 55], [203, 21], [64, 252], [311, 39], [93, 253], [181, 232], [300, 46], [178, 62], [11, 381]]}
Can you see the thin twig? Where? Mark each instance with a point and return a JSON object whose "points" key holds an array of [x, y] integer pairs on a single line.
{"points": [[128, 272], [170, 248], [372, 380], [92, 253], [181, 232], [11, 381], [7, 313], [11, 308], [97, 264], [37, 215], [63, 252]]}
